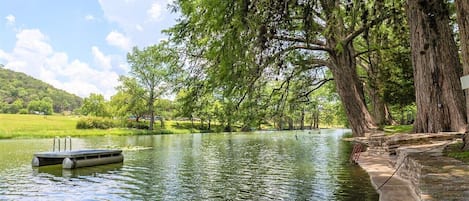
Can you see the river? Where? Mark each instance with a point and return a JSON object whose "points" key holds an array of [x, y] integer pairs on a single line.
{"points": [[290, 165]]}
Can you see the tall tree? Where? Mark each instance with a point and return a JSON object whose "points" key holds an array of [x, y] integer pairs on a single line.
{"points": [[150, 67], [462, 11], [244, 40], [130, 99], [439, 98], [95, 105], [380, 47]]}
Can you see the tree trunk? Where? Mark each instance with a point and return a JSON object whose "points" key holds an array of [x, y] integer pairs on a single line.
{"points": [[374, 85], [151, 101], [462, 11], [388, 117], [192, 122], [302, 123], [378, 105], [290, 123], [312, 121], [350, 91], [439, 98], [162, 122], [316, 119]]}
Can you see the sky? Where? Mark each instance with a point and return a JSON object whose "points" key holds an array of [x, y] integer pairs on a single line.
{"points": [[79, 46]]}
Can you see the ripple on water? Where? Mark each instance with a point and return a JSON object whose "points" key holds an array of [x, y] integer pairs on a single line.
{"points": [[274, 166]]}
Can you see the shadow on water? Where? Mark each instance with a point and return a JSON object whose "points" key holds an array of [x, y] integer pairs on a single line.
{"points": [[58, 171]]}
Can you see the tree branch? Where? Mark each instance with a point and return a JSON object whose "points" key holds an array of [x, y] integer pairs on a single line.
{"points": [[318, 85], [364, 27], [314, 63], [300, 40], [297, 47], [376, 49]]}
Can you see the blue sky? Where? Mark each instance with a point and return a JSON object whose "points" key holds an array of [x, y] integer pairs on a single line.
{"points": [[79, 46]]}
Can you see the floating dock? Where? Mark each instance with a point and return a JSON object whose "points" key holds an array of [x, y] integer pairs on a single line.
{"points": [[78, 158]]}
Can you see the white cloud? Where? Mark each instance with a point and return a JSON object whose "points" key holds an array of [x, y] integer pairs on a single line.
{"points": [[34, 56], [119, 40], [11, 19], [124, 66], [100, 59], [90, 17], [155, 11], [141, 21], [139, 27]]}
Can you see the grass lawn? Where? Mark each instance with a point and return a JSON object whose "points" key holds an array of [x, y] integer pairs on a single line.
{"points": [[390, 130], [454, 151], [39, 126]]}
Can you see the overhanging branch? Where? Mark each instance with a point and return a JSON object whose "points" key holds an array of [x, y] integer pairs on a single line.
{"points": [[364, 27], [318, 85], [300, 40]]}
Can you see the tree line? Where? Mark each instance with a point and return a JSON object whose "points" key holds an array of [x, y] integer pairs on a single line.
{"points": [[238, 49], [247, 63]]}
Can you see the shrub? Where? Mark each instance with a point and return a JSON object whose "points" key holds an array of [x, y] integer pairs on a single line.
{"points": [[95, 122], [137, 125], [23, 111]]}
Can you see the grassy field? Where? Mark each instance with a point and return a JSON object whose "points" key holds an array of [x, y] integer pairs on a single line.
{"points": [[38, 126]]}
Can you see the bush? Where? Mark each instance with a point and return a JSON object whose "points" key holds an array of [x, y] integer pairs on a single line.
{"points": [[137, 125], [24, 111], [95, 123]]}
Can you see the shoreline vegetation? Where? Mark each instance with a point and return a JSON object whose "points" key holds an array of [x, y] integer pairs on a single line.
{"points": [[14, 126], [49, 126]]}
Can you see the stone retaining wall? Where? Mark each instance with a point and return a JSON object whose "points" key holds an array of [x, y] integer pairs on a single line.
{"points": [[433, 177], [436, 178], [419, 160]]}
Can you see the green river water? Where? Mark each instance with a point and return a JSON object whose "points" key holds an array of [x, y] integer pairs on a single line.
{"points": [[293, 165]]}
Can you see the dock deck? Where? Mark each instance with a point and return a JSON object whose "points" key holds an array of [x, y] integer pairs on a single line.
{"points": [[77, 158]]}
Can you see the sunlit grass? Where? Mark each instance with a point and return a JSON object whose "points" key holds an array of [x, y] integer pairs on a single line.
{"points": [[389, 130], [39, 126], [454, 151]]}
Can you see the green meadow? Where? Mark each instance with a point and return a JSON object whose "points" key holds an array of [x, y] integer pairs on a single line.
{"points": [[48, 126], [40, 126]]}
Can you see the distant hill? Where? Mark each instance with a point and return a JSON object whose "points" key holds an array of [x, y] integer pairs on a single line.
{"points": [[18, 89]]}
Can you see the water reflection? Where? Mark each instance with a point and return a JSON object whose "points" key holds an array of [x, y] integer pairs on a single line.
{"points": [[242, 166], [58, 171]]}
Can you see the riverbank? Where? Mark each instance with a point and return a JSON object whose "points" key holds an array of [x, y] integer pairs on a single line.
{"points": [[394, 189], [49, 126], [40, 126], [419, 168]]}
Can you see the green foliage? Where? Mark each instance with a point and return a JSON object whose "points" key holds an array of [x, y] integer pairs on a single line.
{"points": [[95, 123], [259, 62], [21, 87], [35, 126], [95, 105], [129, 100], [43, 106], [23, 111], [150, 67], [137, 125], [398, 129], [399, 85]]}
